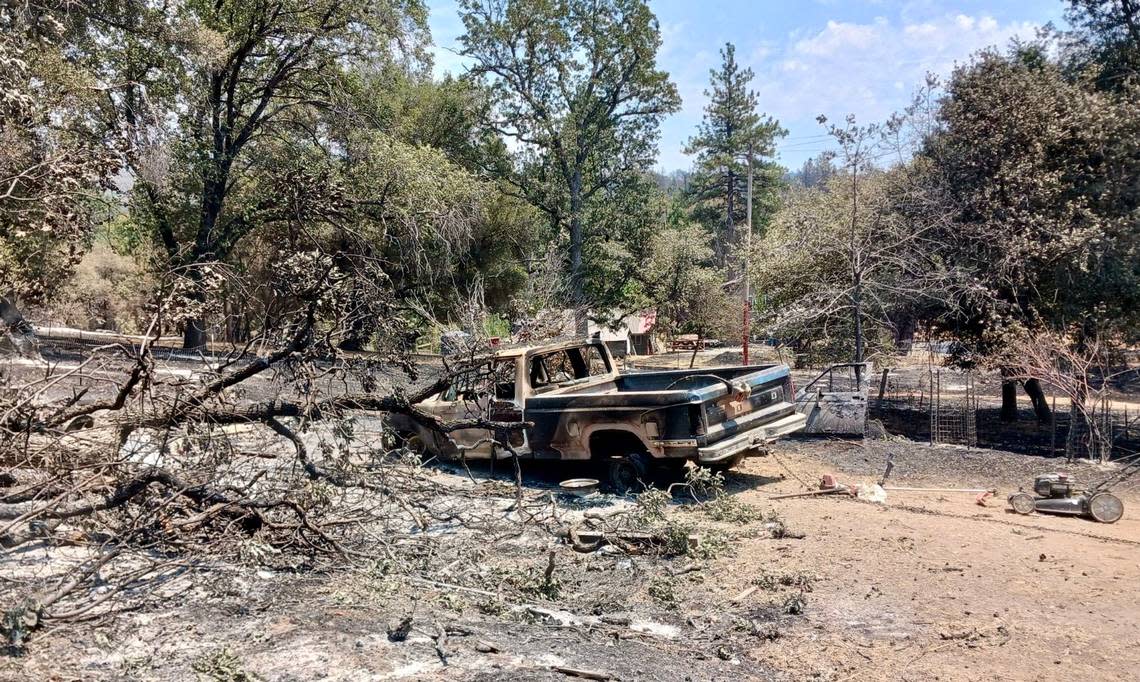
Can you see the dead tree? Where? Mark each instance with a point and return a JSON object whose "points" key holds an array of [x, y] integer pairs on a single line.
{"points": [[1080, 374], [73, 473]]}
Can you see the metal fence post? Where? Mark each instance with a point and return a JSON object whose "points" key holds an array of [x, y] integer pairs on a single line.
{"points": [[1053, 429]]}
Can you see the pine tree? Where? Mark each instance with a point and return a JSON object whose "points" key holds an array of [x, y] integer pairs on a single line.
{"points": [[730, 127]]}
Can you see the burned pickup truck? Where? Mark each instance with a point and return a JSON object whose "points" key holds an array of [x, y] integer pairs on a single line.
{"points": [[582, 408]]}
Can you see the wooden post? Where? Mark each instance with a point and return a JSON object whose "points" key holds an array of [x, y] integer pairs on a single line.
{"points": [[883, 384]]}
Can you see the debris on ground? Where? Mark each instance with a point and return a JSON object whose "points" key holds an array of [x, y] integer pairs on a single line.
{"points": [[827, 486], [871, 493]]}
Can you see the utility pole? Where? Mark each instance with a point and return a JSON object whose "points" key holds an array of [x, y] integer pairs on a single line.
{"points": [[747, 257]]}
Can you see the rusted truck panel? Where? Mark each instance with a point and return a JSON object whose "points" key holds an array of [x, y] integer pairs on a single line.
{"points": [[582, 408], [835, 402], [676, 414]]}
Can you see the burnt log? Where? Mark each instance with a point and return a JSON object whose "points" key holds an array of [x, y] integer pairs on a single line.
{"points": [[1040, 403], [1008, 399]]}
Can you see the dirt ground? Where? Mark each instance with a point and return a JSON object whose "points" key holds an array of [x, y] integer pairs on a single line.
{"points": [[925, 586], [933, 586]]}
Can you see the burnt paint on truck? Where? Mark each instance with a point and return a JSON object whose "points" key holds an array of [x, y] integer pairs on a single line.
{"points": [[680, 405], [714, 413]]}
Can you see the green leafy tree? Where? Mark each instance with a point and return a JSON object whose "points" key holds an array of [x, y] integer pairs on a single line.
{"points": [[684, 285], [220, 100], [55, 159], [732, 129], [1042, 171], [576, 89], [1105, 38], [815, 172], [622, 222], [448, 115]]}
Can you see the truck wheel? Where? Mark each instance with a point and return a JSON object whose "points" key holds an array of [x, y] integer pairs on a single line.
{"points": [[413, 442], [628, 473], [726, 464]]}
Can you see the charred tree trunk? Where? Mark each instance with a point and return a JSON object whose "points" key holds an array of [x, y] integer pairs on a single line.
{"points": [[11, 316], [194, 333], [854, 261], [15, 329], [857, 308], [358, 334], [1040, 403], [213, 241], [728, 234], [194, 336], [1008, 398], [904, 333], [356, 338]]}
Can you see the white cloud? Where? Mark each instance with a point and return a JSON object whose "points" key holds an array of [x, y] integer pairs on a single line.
{"points": [[760, 53], [841, 36], [920, 31], [858, 67], [671, 35]]}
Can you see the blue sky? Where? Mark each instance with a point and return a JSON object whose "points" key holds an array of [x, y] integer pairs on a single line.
{"points": [[810, 57]]}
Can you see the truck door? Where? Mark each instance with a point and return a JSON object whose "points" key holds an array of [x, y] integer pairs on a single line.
{"points": [[486, 391], [836, 401]]}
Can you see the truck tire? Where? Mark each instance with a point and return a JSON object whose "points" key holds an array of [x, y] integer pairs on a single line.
{"points": [[413, 442], [725, 465], [627, 473]]}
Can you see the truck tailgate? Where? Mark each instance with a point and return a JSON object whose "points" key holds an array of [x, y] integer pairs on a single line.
{"points": [[726, 414]]}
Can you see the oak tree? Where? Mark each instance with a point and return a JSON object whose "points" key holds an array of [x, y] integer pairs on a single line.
{"points": [[576, 90]]}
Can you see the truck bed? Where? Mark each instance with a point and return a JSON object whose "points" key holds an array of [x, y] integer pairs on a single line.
{"points": [[688, 405]]}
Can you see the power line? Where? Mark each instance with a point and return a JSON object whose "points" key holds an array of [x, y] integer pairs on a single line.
{"points": [[807, 137]]}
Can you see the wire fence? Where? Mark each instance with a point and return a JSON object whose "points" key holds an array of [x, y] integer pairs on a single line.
{"points": [[941, 408], [951, 407]]}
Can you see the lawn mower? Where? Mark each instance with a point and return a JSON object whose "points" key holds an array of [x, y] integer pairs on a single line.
{"points": [[1057, 494]]}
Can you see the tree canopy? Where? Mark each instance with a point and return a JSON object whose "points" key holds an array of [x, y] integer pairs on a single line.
{"points": [[731, 131], [55, 159], [1042, 171], [575, 87], [219, 149]]}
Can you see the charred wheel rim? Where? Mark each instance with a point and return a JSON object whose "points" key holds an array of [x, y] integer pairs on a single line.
{"points": [[627, 473], [414, 443]]}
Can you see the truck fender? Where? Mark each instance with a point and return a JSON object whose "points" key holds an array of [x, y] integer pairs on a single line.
{"points": [[587, 433], [434, 446]]}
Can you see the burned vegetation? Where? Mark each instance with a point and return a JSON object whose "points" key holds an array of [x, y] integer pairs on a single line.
{"points": [[133, 479]]}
